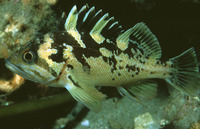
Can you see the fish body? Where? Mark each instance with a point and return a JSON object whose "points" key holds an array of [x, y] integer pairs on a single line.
{"points": [[94, 50]]}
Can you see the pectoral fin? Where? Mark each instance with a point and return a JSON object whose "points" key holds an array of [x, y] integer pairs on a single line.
{"points": [[89, 96], [139, 90]]}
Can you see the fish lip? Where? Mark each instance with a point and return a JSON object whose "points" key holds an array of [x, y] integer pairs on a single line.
{"points": [[16, 69]]}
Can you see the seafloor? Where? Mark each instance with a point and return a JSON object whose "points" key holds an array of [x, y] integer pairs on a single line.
{"points": [[26, 105]]}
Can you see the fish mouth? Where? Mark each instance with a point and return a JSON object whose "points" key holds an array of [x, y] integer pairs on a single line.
{"points": [[17, 70]]}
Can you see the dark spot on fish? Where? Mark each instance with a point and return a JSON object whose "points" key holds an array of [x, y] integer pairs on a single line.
{"points": [[140, 56], [152, 72], [61, 37], [119, 74], [104, 58], [120, 61], [142, 52], [80, 52], [86, 69], [58, 57], [132, 75], [112, 70], [157, 62], [53, 73], [138, 69], [112, 62], [134, 46], [113, 79], [70, 66], [130, 68], [142, 62], [121, 67], [107, 60], [76, 84]]}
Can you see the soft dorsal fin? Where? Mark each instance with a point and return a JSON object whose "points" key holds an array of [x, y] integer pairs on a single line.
{"points": [[145, 39]]}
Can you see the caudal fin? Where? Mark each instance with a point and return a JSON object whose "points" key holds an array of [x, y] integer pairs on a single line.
{"points": [[185, 72]]}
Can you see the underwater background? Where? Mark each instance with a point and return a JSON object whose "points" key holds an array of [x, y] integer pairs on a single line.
{"points": [[27, 105]]}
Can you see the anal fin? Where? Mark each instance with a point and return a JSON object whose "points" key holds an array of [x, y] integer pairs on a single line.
{"points": [[89, 96], [139, 90]]}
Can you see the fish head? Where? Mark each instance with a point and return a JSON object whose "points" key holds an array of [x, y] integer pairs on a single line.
{"points": [[27, 63]]}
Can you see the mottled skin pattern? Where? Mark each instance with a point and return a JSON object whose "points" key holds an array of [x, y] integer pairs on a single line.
{"points": [[110, 70], [94, 50]]}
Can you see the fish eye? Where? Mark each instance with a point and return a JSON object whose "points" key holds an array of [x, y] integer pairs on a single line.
{"points": [[29, 56]]}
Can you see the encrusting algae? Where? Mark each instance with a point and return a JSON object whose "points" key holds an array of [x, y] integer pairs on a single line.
{"points": [[94, 50], [20, 22]]}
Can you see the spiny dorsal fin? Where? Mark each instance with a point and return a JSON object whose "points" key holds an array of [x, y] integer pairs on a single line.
{"points": [[123, 39], [141, 35], [93, 23], [95, 32], [70, 25]]}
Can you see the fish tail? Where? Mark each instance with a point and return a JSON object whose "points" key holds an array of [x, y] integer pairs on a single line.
{"points": [[184, 74]]}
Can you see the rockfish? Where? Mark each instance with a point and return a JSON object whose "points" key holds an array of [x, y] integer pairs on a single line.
{"points": [[94, 50]]}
